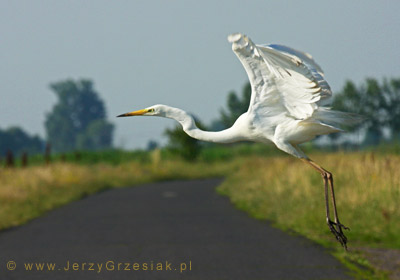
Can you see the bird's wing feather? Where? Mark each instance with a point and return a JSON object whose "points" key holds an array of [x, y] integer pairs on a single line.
{"points": [[282, 82], [305, 57]]}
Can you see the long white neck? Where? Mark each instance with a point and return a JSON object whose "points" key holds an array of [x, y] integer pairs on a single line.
{"points": [[189, 126]]}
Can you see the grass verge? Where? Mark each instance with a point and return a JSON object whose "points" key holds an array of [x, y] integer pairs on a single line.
{"points": [[290, 194]]}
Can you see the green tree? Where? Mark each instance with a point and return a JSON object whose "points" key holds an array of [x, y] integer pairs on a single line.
{"points": [[377, 102], [235, 107], [18, 141], [97, 136], [182, 144], [78, 120]]}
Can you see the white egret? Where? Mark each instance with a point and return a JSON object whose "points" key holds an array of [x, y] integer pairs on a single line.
{"points": [[287, 107]]}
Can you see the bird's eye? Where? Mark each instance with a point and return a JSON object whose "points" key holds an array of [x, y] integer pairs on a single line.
{"points": [[151, 110]]}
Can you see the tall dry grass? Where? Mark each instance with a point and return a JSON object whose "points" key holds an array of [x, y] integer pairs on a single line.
{"points": [[291, 194]]}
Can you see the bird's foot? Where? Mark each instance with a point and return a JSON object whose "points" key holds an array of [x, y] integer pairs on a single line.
{"points": [[336, 229]]}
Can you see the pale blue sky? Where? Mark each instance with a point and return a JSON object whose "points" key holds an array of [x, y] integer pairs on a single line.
{"points": [[141, 53]]}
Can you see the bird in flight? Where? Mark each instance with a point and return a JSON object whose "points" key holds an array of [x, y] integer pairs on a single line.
{"points": [[288, 106]]}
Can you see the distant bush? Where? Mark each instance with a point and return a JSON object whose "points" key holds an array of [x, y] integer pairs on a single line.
{"points": [[183, 145], [17, 141]]}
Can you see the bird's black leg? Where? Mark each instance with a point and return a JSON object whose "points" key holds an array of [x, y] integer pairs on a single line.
{"points": [[335, 227], [338, 225]]}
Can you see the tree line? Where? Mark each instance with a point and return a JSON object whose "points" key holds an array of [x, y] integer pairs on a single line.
{"points": [[76, 122]]}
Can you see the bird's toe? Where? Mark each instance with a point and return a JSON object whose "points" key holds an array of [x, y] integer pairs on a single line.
{"points": [[338, 233]]}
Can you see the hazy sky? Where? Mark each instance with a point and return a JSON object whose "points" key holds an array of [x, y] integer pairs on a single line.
{"points": [[140, 53]]}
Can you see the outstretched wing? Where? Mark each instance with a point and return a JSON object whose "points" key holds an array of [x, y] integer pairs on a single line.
{"points": [[283, 80], [305, 57]]}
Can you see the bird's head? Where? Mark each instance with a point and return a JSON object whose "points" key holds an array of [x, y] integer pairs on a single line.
{"points": [[155, 110], [166, 112]]}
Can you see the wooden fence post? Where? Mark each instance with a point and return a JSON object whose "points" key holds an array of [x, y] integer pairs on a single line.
{"points": [[9, 159], [24, 159], [47, 154]]}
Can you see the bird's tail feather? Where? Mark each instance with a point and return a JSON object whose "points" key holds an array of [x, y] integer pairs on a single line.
{"points": [[337, 118]]}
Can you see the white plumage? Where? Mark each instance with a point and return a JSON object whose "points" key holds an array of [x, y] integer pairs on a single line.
{"points": [[287, 107], [288, 90]]}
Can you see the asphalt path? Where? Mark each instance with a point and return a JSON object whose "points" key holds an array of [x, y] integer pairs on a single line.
{"points": [[170, 230]]}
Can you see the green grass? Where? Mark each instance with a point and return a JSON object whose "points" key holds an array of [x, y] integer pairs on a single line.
{"points": [[209, 153], [111, 156]]}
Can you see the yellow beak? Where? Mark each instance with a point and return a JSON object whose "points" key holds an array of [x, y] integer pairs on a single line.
{"points": [[134, 113]]}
